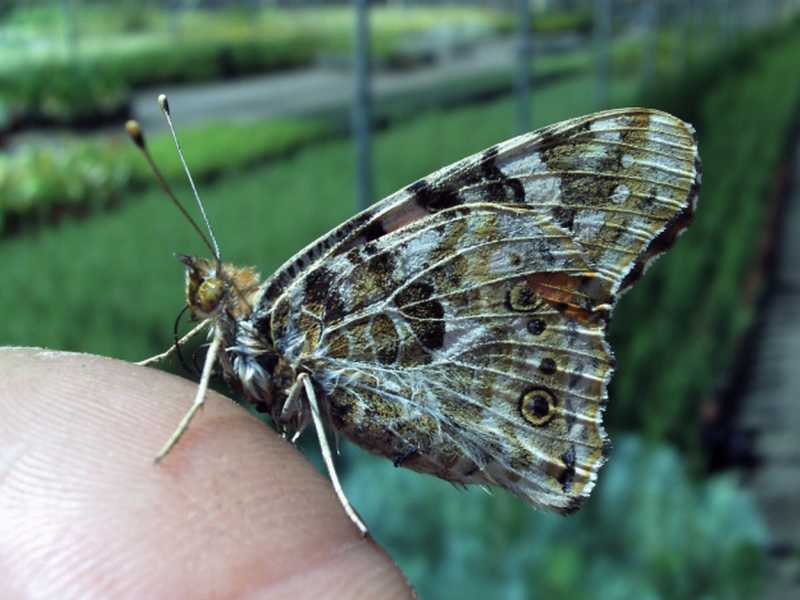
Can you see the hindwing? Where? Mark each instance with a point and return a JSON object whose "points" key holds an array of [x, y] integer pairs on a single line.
{"points": [[458, 326]]}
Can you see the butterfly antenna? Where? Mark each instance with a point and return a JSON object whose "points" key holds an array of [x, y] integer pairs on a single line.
{"points": [[135, 132], [164, 104]]}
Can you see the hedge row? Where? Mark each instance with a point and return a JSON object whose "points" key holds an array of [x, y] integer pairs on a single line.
{"points": [[95, 84], [40, 184]]}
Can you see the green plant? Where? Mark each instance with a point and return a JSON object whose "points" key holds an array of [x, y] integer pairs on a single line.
{"points": [[649, 531], [37, 182], [552, 22], [25, 191], [121, 48], [63, 92]]}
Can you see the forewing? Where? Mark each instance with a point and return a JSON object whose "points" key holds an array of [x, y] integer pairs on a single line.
{"points": [[622, 183]]}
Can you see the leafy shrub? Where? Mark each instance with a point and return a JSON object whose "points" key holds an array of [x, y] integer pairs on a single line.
{"points": [[551, 22], [63, 92], [648, 531], [210, 45], [35, 181]]}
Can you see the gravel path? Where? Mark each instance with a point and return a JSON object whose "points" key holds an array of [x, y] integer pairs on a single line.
{"points": [[309, 91], [772, 406]]}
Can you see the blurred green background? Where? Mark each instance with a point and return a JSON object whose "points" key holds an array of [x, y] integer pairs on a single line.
{"points": [[262, 95]]}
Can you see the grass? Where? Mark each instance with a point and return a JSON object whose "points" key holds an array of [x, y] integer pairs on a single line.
{"points": [[39, 182], [121, 30]]}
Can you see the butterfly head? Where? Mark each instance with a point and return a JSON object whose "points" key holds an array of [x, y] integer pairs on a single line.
{"points": [[214, 288]]}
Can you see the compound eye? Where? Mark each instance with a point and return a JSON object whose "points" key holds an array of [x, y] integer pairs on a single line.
{"points": [[210, 294]]}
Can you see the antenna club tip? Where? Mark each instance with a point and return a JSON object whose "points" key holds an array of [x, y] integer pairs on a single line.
{"points": [[135, 132], [163, 103]]}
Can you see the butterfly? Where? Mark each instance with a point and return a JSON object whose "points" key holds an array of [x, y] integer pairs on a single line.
{"points": [[458, 327]]}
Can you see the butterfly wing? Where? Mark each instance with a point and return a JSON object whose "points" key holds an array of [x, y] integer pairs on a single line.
{"points": [[458, 327]]}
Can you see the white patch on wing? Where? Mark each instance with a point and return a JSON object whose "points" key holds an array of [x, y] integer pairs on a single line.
{"points": [[533, 173], [418, 253], [588, 223], [636, 232], [620, 194], [607, 129], [522, 164], [460, 336]]}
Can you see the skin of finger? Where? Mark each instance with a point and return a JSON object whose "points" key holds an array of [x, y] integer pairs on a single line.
{"points": [[234, 511]]}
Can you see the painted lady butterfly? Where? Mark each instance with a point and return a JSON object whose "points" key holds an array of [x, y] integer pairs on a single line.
{"points": [[458, 326]]}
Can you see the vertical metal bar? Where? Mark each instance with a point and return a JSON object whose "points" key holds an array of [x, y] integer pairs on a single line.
{"points": [[685, 32], [522, 83], [69, 12], [361, 110], [650, 45], [602, 35], [173, 17]]}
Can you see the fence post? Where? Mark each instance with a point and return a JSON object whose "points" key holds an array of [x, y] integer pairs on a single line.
{"points": [[522, 81], [602, 35], [361, 109], [650, 48], [69, 11]]}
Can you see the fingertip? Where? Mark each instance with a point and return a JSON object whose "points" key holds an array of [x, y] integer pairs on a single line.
{"points": [[233, 507]]}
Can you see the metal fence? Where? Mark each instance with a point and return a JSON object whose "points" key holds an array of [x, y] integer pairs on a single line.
{"points": [[687, 27]]}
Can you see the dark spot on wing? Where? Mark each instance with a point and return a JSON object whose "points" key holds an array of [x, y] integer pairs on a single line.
{"points": [[433, 200], [566, 476], [536, 326], [539, 406], [354, 256], [384, 339], [497, 187], [499, 182], [382, 269], [547, 366], [564, 216], [335, 307], [318, 285], [425, 316], [373, 231]]}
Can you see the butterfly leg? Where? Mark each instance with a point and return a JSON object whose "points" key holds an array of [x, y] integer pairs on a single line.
{"points": [[171, 350], [292, 413], [199, 398], [326, 453]]}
